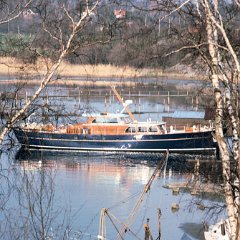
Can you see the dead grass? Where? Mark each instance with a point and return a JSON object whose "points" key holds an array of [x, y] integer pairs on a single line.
{"points": [[99, 71], [8, 66], [11, 66]]}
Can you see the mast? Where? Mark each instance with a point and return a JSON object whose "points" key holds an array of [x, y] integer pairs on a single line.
{"points": [[132, 215], [126, 225], [102, 226], [124, 105]]}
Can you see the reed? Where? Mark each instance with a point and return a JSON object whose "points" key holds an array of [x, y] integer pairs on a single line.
{"points": [[100, 70], [15, 66], [12, 66], [9, 66]]}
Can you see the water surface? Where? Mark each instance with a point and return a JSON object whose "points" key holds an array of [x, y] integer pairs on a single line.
{"points": [[86, 183]]}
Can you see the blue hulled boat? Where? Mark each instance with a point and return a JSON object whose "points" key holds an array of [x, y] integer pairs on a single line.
{"points": [[116, 133]]}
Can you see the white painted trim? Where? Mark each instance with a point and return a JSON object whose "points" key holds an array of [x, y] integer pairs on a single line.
{"points": [[120, 149], [118, 140]]}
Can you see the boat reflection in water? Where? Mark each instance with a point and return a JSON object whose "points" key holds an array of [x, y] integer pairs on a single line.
{"points": [[115, 181], [178, 164]]}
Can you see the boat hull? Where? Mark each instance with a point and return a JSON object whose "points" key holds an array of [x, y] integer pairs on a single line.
{"points": [[175, 142]]}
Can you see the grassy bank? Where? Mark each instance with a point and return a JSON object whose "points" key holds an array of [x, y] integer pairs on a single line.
{"points": [[11, 66]]}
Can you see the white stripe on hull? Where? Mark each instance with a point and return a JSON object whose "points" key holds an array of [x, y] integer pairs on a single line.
{"points": [[117, 140], [119, 149]]}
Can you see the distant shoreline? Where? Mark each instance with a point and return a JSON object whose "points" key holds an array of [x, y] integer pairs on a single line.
{"points": [[69, 74], [98, 81]]}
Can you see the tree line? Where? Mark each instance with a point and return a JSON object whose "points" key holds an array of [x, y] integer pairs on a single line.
{"points": [[144, 37]]}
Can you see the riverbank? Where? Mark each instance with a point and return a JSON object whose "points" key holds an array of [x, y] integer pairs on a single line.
{"points": [[88, 74]]}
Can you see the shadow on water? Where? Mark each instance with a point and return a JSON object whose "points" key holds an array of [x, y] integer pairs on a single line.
{"points": [[181, 163], [193, 229]]}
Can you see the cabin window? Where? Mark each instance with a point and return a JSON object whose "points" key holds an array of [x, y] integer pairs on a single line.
{"points": [[112, 120], [85, 131], [153, 129], [162, 128], [131, 130], [142, 129], [105, 120]]}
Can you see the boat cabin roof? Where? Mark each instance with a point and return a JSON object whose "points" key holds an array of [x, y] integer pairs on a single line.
{"points": [[108, 118], [120, 118], [106, 115]]}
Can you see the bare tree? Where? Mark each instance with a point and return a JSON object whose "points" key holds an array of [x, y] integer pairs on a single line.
{"points": [[12, 10], [197, 29], [36, 191], [34, 197], [203, 36], [66, 45], [218, 51], [214, 28]]}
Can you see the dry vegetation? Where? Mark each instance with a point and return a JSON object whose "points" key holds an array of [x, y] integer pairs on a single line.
{"points": [[13, 67]]}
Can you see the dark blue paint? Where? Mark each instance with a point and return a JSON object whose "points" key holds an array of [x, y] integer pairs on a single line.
{"points": [[175, 142]]}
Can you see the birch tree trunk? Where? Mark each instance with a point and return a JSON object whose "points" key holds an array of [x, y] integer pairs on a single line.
{"points": [[65, 49], [223, 147]]}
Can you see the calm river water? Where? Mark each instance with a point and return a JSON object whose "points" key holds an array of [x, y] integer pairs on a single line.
{"points": [[86, 183], [83, 184]]}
